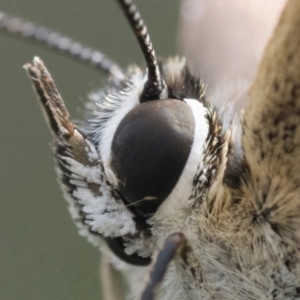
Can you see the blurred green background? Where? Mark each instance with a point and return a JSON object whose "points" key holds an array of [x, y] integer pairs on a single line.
{"points": [[41, 254]]}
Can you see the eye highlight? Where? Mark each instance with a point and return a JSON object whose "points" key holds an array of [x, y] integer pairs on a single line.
{"points": [[149, 151]]}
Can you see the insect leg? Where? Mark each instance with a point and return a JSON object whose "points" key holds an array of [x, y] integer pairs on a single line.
{"points": [[113, 285], [178, 250]]}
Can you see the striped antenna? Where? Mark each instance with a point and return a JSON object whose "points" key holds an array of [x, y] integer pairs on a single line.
{"points": [[155, 88], [51, 39]]}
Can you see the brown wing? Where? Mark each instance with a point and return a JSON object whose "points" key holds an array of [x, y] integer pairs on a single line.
{"points": [[271, 132]]}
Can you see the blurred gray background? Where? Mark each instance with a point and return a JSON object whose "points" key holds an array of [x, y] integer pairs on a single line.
{"points": [[41, 254]]}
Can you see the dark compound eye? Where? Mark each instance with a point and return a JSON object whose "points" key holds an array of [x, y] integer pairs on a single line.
{"points": [[149, 151]]}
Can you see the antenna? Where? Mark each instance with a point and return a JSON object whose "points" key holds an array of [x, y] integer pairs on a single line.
{"points": [[155, 88], [63, 44]]}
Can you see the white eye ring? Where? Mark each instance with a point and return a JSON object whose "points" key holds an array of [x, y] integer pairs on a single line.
{"points": [[177, 200]]}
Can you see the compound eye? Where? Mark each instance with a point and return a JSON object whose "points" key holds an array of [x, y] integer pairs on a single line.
{"points": [[149, 151]]}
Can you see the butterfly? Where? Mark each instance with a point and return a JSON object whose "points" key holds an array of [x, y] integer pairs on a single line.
{"points": [[234, 235]]}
